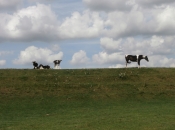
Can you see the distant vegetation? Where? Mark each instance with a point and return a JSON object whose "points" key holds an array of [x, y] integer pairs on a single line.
{"points": [[87, 99]]}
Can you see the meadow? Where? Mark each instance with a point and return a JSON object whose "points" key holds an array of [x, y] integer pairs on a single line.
{"points": [[88, 99]]}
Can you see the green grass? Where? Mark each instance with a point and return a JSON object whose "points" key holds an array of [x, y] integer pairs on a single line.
{"points": [[87, 99]]}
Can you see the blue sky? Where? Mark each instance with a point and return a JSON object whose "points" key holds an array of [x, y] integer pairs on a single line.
{"points": [[86, 33]]}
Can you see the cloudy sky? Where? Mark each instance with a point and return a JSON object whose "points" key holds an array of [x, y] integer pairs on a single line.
{"points": [[86, 33]]}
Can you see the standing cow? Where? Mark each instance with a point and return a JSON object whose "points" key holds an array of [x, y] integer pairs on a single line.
{"points": [[135, 58], [35, 64], [57, 64]]}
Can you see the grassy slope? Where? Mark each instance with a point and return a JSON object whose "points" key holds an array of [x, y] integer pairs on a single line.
{"points": [[87, 99]]}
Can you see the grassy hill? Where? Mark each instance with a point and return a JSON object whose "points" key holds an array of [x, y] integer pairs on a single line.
{"points": [[89, 83], [87, 99]]}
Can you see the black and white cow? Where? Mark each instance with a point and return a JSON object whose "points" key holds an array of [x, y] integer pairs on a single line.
{"points": [[57, 64], [43, 66], [35, 64], [135, 58], [46, 66]]}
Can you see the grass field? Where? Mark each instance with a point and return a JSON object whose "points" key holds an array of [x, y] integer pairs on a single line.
{"points": [[88, 99]]}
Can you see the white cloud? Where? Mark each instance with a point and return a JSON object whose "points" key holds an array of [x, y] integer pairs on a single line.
{"points": [[33, 23], [137, 20], [40, 23], [80, 58], [169, 62], [2, 62], [40, 55], [156, 41], [166, 21], [85, 25], [117, 66], [127, 24], [110, 45], [160, 61], [105, 58]]}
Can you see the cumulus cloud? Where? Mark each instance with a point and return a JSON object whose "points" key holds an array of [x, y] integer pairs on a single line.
{"points": [[80, 58], [166, 21], [105, 58], [33, 23], [40, 23], [41, 55], [2, 62], [85, 25], [164, 61], [129, 24], [137, 20], [161, 61], [117, 66], [110, 45]]}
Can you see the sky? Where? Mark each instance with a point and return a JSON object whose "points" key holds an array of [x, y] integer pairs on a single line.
{"points": [[86, 33]]}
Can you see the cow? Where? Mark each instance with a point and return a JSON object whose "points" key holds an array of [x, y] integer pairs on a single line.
{"points": [[40, 66], [35, 64], [57, 64], [46, 66], [43, 66], [135, 58]]}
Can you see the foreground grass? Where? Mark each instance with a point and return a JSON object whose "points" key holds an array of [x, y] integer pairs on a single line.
{"points": [[87, 99], [51, 114]]}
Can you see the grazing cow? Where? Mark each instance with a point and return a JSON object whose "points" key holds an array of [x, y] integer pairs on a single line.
{"points": [[35, 64], [135, 58], [57, 64]]}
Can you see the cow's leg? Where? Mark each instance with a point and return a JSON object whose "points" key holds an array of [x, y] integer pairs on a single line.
{"points": [[127, 63], [126, 60], [138, 63]]}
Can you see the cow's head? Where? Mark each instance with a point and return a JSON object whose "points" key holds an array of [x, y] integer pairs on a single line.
{"points": [[146, 58], [57, 61]]}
